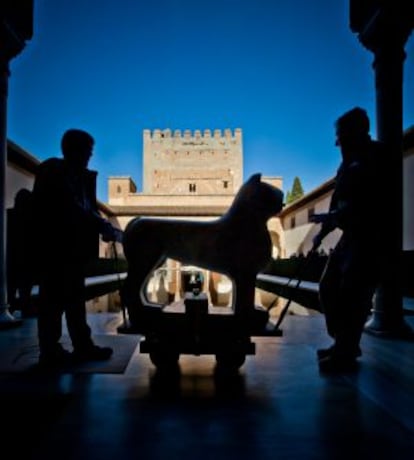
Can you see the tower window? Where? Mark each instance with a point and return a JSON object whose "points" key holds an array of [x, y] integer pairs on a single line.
{"points": [[191, 187], [118, 189], [226, 184]]}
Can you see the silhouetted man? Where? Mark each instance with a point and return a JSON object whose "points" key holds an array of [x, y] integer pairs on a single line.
{"points": [[20, 244], [349, 279], [68, 227]]}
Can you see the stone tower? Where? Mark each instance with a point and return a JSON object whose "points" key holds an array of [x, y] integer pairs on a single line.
{"points": [[192, 163]]}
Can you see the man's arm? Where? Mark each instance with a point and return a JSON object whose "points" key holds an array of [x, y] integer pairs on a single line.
{"points": [[110, 233], [329, 223]]}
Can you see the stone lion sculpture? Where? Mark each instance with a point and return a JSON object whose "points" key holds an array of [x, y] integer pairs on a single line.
{"points": [[237, 244]]}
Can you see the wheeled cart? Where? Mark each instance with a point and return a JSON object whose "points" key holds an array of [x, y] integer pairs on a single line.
{"points": [[194, 327]]}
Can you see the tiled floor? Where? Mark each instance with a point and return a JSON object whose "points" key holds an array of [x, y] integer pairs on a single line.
{"points": [[277, 407]]}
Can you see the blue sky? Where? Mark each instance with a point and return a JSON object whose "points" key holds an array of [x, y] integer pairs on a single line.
{"points": [[281, 70]]}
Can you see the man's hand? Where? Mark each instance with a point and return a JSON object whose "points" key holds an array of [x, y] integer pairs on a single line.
{"points": [[111, 233], [324, 219], [118, 235], [317, 240], [319, 218]]}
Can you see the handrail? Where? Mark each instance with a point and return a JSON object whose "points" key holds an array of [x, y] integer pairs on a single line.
{"points": [[91, 281], [289, 282]]}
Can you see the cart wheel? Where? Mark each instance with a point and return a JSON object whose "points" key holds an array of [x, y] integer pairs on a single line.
{"points": [[165, 359], [230, 361]]}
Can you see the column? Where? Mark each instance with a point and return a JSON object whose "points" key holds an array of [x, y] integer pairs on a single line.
{"points": [[6, 318], [385, 35], [16, 27]]}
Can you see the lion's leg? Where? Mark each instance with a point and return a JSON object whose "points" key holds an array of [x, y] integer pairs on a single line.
{"points": [[252, 319], [139, 268], [243, 301], [130, 295], [244, 291]]}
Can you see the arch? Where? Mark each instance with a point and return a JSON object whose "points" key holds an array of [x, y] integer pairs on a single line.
{"points": [[277, 250]]}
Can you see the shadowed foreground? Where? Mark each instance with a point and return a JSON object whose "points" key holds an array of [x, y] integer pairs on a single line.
{"points": [[278, 406]]}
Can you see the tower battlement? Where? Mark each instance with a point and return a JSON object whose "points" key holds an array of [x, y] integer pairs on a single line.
{"points": [[196, 137]]}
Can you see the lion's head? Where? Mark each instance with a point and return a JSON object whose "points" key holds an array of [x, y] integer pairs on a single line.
{"points": [[258, 198]]}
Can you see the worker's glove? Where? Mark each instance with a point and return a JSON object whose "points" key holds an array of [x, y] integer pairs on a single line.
{"points": [[321, 218], [110, 233], [317, 240]]}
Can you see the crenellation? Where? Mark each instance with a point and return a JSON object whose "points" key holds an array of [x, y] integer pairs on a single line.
{"points": [[178, 134]]}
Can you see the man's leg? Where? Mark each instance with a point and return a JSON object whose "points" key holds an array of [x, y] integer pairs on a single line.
{"points": [[354, 304], [49, 321], [80, 333], [357, 295], [329, 287]]}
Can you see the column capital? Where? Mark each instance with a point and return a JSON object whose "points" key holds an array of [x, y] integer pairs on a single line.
{"points": [[387, 29], [16, 26]]}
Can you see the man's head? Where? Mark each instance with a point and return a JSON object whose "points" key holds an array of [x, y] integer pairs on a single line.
{"points": [[77, 147], [352, 129], [23, 198]]}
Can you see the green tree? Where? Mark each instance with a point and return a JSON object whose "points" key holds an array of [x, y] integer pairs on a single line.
{"points": [[296, 192], [287, 198]]}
